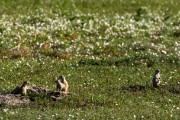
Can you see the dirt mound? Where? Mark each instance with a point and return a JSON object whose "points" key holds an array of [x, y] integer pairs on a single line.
{"points": [[38, 90], [11, 99], [16, 98], [56, 95]]}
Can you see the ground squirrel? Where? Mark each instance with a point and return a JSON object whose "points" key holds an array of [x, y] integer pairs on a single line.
{"points": [[156, 78], [62, 84], [21, 89]]}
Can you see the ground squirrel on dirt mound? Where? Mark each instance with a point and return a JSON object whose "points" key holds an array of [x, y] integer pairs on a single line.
{"points": [[156, 78], [62, 84], [21, 89]]}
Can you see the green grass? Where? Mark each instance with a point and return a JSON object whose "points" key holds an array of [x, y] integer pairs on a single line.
{"points": [[108, 51]]}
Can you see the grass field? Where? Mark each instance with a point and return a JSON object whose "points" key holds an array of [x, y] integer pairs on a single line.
{"points": [[108, 50]]}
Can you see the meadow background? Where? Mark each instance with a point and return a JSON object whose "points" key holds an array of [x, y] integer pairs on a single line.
{"points": [[107, 49]]}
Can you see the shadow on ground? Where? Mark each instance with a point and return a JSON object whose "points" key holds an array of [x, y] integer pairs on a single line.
{"points": [[174, 89]]}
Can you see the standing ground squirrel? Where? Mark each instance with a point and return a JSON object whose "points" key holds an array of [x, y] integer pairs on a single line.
{"points": [[156, 78], [62, 84]]}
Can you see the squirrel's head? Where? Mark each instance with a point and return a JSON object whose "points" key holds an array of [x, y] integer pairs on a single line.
{"points": [[157, 71], [25, 83], [61, 77]]}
